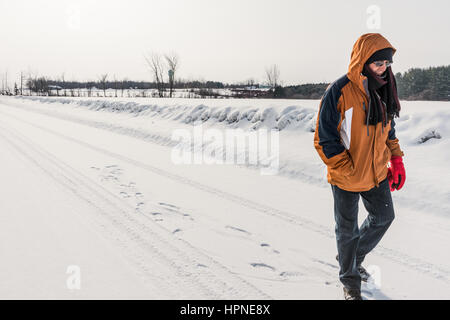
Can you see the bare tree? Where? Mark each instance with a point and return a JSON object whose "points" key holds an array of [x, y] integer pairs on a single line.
{"points": [[157, 68], [172, 63], [115, 86], [31, 80], [22, 78], [44, 85], [5, 86], [273, 76], [39, 85], [89, 90], [64, 84], [29, 83], [250, 82], [6, 81], [122, 85], [102, 80]]}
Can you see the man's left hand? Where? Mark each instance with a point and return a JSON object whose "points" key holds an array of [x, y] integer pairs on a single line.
{"points": [[396, 173]]}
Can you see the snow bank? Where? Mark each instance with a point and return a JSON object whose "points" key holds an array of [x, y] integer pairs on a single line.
{"points": [[423, 130], [278, 117]]}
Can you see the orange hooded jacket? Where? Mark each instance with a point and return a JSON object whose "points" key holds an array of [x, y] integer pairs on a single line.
{"points": [[356, 154]]}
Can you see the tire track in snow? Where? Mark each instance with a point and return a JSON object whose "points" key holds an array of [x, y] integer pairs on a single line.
{"points": [[145, 243], [417, 264]]}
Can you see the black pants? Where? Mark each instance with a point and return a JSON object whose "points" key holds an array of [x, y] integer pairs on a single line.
{"points": [[355, 243]]}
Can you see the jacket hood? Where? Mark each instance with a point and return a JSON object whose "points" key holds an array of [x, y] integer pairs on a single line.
{"points": [[364, 47]]}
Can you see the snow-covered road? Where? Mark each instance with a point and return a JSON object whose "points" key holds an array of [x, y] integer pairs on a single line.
{"points": [[136, 225]]}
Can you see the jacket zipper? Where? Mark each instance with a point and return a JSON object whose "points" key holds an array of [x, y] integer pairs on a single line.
{"points": [[373, 145], [367, 124], [366, 92], [373, 158]]}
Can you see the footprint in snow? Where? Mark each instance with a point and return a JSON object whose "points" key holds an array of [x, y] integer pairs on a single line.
{"points": [[110, 177], [174, 209], [262, 265], [139, 206], [266, 245], [168, 205], [291, 274], [238, 229]]}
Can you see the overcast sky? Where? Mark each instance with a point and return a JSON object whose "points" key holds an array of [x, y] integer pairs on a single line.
{"points": [[227, 40]]}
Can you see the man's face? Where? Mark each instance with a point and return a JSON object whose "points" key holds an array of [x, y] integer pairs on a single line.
{"points": [[379, 67]]}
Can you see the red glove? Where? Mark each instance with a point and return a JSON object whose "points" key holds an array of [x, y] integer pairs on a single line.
{"points": [[396, 174]]}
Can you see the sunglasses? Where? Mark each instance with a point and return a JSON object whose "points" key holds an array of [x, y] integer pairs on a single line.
{"points": [[381, 63]]}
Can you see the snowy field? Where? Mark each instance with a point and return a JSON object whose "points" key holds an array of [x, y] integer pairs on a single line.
{"points": [[96, 203]]}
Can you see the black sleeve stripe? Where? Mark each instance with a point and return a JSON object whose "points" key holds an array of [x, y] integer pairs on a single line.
{"points": [[329, 137], [391, 134]]}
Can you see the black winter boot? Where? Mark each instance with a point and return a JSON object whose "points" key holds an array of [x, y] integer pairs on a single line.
{"points": [[352, 294], [365, 276]]}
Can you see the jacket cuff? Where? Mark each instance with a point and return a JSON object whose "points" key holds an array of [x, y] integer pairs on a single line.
{"points": [[395, 148]]}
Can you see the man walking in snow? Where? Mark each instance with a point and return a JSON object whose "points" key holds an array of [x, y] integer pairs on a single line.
{"points": [[355, 138]]}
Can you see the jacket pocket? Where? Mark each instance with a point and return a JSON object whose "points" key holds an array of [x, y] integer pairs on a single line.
{"points": [[349, 170], [345, 169]]}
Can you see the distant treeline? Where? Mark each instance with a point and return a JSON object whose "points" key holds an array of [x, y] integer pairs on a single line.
{"points": [[424, 84], [303, 91], [415, 84], [129, 84]]}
